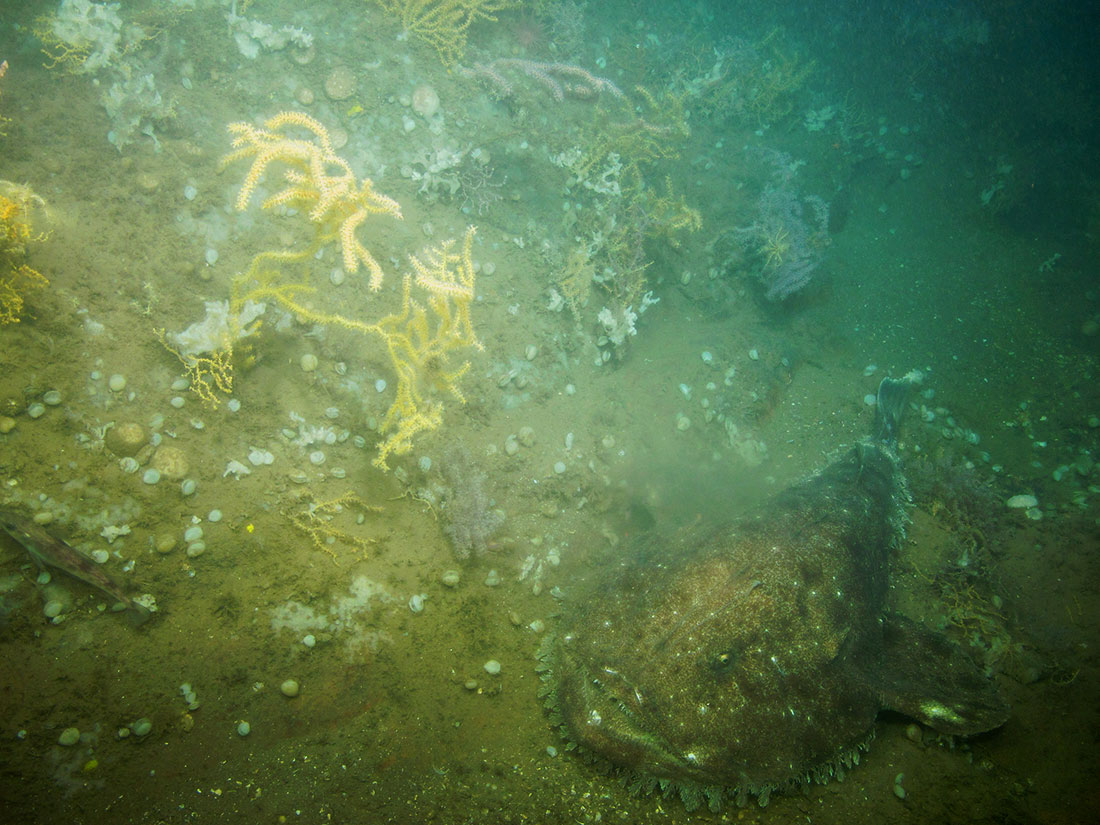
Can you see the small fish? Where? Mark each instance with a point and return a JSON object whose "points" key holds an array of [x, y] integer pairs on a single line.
{"points": [[48, 551]]}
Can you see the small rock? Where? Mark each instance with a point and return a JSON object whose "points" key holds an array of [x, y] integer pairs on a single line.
{"points": [[451, 578], [126, 438], [340, 83]]}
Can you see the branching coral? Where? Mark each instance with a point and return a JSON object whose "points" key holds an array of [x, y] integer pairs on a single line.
{"points": [[444, 24], [419, 340]]}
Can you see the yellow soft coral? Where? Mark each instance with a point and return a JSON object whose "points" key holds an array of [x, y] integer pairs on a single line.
{"points": [[444, 23], [419, 340], [318, 181], [21, 213]]}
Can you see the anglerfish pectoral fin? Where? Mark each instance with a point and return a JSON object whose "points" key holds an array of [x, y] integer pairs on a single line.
{"points": [[928, 677]]}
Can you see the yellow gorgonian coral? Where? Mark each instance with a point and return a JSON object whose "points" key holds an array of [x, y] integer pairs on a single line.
{"points": [[444, 23], [317, 180], [21, 212]]}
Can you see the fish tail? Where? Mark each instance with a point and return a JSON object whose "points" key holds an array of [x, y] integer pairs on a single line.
{"points": [[893, 394], [138, 614]]}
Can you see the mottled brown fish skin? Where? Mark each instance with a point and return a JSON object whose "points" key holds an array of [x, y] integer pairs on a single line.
{"points": [[727, 663], [53, 552], [754, 658]]}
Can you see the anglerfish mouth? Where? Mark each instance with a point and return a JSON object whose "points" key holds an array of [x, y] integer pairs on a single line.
{"points": [[608, 714]]}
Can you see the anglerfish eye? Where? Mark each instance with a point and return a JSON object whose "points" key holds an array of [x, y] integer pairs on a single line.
{"points": [[724, 661]]}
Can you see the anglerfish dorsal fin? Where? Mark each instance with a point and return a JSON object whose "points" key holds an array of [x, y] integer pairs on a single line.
{"points": [[928, 677]]}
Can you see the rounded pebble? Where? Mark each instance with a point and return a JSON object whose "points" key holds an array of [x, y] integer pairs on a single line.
{"points": [[214, 516], [188, 486], [451, 578], [492, 579], [190, 192], [142, 727], [243, 729], [899, 791], [317, 457], [470, 684], [258, 457], [126, 438], [233, 404], [192, 533], [308, 362], [69, 737], [7, 424], [100, 556], [116, 383], [309, 640], [425, 463], [176, 401], [340, 83], [559, 467], [492, 667], [211, 256], [52, 398], [380, 385], [289, 688], [36, 410], [151, 476], [196, 549]]}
